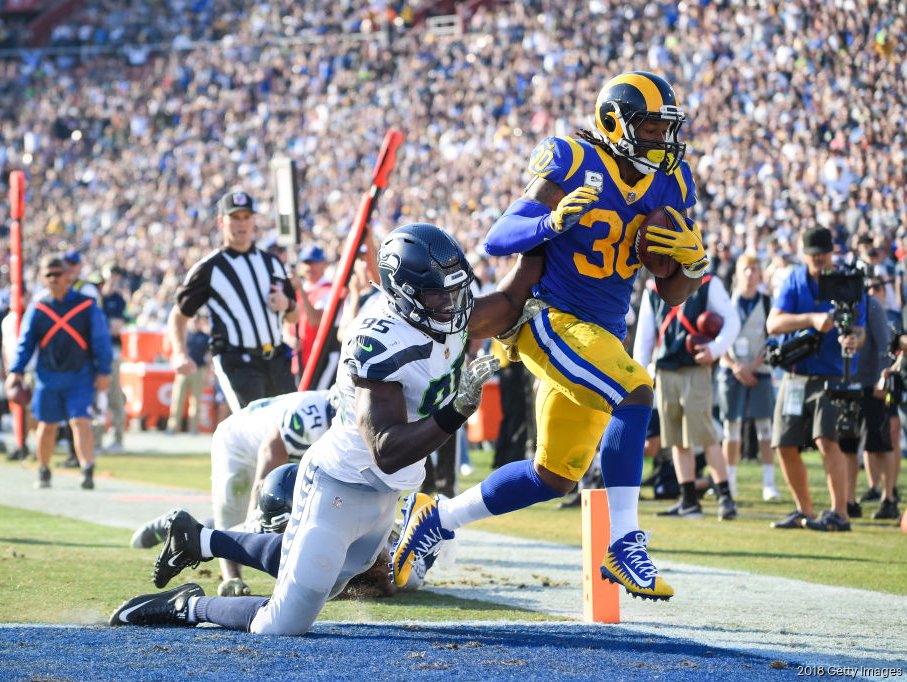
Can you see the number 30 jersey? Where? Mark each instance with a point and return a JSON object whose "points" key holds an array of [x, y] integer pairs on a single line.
{"points": [[381, 346], [590, 269]]}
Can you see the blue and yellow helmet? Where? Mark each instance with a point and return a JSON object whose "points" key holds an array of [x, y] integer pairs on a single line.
{"points": [[624, 104]]}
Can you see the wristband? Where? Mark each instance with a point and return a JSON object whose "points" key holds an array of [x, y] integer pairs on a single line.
{"points": [[449, 419], [693, 274]]}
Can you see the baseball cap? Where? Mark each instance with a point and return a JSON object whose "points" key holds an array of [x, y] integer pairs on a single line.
{"points": [[73, 257], [312, 254], [232, 202], [817, 240], [273, 245]]}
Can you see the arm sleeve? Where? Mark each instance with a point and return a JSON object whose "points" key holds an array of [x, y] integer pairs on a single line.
{"points": [[101, 347], [719, 302], [524, 224], [522, 227], [25, 347], [644, 342]]}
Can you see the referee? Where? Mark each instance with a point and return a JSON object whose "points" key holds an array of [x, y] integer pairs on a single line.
{"points": [[249, 297]]}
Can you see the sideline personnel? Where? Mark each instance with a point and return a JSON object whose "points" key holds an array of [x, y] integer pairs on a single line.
{"points": [[249, 298], [70, 333]]}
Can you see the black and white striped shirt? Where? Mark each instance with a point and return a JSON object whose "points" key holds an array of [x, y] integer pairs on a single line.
{"points": [[235, 286]]}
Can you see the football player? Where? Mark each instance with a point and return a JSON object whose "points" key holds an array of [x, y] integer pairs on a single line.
{"points": [[587, 198], [403, 390], [275, 505], [244, 448]]}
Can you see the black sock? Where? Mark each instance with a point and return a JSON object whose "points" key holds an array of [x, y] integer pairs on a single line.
{"points": [[688, 494], [723, 489]]}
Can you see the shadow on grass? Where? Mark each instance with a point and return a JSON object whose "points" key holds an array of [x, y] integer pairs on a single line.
{"points": [[434, 600], [54, 543], [766, 555]]}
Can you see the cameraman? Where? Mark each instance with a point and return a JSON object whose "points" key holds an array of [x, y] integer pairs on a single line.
{"points": [[804, 414], [876, 414]]}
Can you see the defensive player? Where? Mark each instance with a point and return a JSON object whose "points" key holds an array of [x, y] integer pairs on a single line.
{"points": [[403, 391], [244, 448], [586, 200]]}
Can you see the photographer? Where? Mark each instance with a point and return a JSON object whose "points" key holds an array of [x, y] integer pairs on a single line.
{"points": [[875, 413], [804, 413]]}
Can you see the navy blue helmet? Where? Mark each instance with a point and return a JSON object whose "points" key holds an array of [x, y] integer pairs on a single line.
{"points": [[276, 498], [427, 278], [628, 101]]}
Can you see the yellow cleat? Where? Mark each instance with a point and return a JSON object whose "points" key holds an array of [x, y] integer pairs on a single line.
{"points": [[627, 563], [420, 537]]}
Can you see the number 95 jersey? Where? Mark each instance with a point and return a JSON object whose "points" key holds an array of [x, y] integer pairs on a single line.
{"points": [[382, 346], [589, 269]]}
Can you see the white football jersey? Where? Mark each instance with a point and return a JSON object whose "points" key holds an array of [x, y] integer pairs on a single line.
{"points": [[382, 346], [302, 417]]}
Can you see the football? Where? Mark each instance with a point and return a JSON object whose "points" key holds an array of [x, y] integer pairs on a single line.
{"points": [[19, 394], [709, 323], [694, 340], [656, 263]]}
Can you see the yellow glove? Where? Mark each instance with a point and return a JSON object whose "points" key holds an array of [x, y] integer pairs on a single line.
{"points": [[683, 244], [571, 208]]}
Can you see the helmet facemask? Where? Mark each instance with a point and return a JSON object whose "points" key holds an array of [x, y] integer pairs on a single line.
{"points": [[443, 311], [647, 155], [427, 278]]}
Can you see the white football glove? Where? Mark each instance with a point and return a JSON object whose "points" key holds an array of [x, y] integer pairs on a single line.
{"points": [[469, 392], [234, 587], [531, 308]]}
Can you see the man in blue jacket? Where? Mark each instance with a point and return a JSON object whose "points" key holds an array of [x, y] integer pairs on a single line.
{"points": [[70, 334]]}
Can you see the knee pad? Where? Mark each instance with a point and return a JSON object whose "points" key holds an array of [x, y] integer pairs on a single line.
{"points": [[732, 430], [764, 429]]}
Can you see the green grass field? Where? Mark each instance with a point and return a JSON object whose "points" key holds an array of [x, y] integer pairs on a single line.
{"points": [[86, 570]]}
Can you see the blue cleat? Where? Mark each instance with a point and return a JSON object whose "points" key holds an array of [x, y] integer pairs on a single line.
{"points": [[627, 563], [420, 537]]}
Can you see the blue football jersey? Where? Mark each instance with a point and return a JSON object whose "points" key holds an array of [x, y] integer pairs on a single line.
{"points": [[590, 269]]}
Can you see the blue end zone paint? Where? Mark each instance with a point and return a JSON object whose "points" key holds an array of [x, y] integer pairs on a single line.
{"points": [[339, 651]]}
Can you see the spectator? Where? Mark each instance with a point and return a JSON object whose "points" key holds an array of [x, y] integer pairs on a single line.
{"points": [[879, 456], [744, 386], [114, 306], [313, 299], [69, 332], [683, 386], [188, 387], [248, 297], [515, 388], [803, 411], [81, 284]]}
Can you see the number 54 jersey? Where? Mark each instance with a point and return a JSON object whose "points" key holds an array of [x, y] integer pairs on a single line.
{"points": [[382, 346], [589, 270]]}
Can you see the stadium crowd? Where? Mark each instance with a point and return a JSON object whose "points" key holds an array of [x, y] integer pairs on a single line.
{"points": [[795, 118], [789, 106]]}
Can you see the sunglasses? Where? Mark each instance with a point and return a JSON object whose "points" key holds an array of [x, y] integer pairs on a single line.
{"points": [[54, 274]]}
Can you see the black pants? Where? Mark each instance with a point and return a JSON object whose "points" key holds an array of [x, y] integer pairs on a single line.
{"points": [[511, 443], [443, 477], [252, 377]]}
